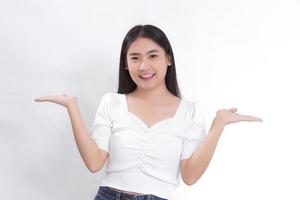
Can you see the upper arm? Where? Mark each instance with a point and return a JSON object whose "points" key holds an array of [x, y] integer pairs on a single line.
{"points": [[183, 170], [103, 155], [101, 130]]}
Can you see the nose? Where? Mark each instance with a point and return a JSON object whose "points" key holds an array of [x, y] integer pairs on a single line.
{"points": [[144, 64]]}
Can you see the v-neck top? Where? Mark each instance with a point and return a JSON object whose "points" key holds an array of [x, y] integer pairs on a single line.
{"points": [[156, 123], [146, 159]]}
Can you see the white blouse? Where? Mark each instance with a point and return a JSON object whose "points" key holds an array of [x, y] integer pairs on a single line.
{"points": [[146, 159]]}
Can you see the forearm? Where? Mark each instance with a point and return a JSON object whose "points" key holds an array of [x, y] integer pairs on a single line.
{"points": [[87, 147], [200, 159]]}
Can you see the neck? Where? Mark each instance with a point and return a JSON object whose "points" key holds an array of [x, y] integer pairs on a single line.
{"points": [[154, 93]]}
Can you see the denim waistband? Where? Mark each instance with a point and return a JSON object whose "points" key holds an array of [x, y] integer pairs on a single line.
{"points": [[119, 195]]}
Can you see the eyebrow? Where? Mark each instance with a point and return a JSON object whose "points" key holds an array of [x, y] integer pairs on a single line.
{"points": [[151, 51]]}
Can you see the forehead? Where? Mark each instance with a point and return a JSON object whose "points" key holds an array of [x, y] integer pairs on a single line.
{"points": [[143, 45]]}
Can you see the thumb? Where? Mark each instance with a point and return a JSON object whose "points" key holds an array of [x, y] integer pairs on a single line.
{"points": [[233, 109]]}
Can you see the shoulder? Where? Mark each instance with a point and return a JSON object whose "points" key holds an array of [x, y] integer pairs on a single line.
{"points": [[108, 103], [111, 96], [106, 100], [111, 99], [194, 110]]}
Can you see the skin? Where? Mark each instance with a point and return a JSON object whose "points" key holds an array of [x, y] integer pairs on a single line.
{"points": [[145, 56], [141, 59]]}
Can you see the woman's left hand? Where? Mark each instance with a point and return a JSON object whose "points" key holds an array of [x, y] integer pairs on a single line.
{"points": [[229, 116]]}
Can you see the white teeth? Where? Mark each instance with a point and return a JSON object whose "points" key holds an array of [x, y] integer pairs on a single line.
{"points": [[147, 75]]}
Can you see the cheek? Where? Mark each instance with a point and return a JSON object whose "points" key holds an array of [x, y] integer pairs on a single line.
{"points": [[132, 66], [133, 71], [161, 69]]}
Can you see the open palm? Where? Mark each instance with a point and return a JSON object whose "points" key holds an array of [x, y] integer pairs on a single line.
{"points": [[229, 116], [64, 100]]}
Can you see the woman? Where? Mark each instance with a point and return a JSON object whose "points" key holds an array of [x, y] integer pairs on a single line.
{"points": [[148, 134]]}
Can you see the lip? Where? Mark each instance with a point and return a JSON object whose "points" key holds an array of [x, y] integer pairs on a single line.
{"points": [[146, 78], [147, 74]]}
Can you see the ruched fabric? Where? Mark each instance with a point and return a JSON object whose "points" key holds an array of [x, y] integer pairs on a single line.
{"points": [[146, 159]]}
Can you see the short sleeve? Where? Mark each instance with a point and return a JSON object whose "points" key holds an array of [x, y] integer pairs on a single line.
{"points": [[101, 128], [195, 130]]}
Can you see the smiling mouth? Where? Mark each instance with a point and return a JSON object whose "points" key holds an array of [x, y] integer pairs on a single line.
{"points": [[147, 77]]}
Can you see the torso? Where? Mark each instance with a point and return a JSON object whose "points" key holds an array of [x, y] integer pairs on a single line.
{"points": [[152, 112]]}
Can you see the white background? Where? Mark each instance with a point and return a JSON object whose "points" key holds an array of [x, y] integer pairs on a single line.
{"points": [[228, 53]]}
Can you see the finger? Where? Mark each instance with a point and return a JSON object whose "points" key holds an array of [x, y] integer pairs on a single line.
{"points": [[45, 98], [39, 99], [233, 109], [250, 118]]}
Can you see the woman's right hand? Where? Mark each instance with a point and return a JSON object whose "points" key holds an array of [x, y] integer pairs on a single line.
{"points": [[64, 100]]}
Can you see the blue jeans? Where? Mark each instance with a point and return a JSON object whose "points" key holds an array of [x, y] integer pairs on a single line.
{"points": [[107, 193]]}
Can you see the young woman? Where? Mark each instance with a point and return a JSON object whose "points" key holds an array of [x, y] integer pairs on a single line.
{"points": [[146, 132]]}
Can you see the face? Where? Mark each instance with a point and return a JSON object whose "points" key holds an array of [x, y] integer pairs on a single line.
{"points": [[147, 63]]}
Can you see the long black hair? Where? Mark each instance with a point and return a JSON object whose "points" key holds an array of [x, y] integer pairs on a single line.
{"points": [[126, 84]]}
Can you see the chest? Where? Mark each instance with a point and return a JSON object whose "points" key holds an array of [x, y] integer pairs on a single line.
{"points": [[152, 113]]}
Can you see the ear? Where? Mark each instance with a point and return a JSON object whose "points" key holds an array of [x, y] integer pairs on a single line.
{"points": [[169, 60]]}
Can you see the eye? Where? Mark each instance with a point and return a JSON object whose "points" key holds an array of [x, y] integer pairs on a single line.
{"points": [[153, 56], [134, 58]]}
